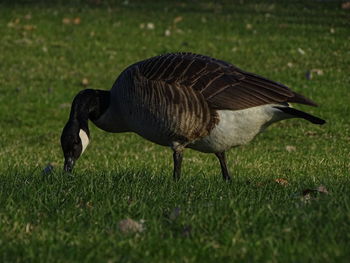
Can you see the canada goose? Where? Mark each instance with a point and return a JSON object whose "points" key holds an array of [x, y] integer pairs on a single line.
{"points": [[182, 100]]}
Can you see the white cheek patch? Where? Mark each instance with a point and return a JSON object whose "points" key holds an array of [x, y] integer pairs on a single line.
{"points": [[84, 139]]}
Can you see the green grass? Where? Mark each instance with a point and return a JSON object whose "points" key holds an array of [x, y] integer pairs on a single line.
{"points": [[60, 218]]}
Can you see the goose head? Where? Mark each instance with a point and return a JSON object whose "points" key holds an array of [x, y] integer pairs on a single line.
{"points": [[87, 104], [74, 140]]}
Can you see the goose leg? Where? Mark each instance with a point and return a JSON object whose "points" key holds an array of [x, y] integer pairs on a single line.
{"points": [[225, 173], [177, 164]]}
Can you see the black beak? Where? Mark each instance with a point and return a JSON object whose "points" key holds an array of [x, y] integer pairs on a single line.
{"points": [[68, 164]]}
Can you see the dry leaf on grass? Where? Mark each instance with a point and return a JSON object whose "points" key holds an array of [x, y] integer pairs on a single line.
{"points": [[129, 226], [322, 189], [291, 148], [28, 16], [310, 133], [29, 228], [76, 21], [14, 23], [66, 21], [346, 5], [167, 33], [317, 71], [85, 82], [312, 194], [301, 51], [64, 105], [178, 19], [29, 27], [311, 73], [282, 181], [150, 26]]}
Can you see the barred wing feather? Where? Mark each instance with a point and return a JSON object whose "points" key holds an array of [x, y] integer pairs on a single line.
{"points": [[223, 85]]}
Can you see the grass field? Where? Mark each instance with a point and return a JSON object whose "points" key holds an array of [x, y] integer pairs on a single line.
{"points": [[48, 52]]}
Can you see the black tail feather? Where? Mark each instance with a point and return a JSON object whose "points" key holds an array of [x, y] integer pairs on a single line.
{"points": [[298, 98], [301, 114]]}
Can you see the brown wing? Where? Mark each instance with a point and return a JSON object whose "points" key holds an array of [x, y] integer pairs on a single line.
{"points": [[223, 85]]}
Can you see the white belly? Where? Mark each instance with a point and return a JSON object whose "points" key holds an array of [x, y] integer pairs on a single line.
{"points": [[237, 127]]}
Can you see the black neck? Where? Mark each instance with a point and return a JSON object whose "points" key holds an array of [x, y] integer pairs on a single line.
{"points": [[89, 104]]}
